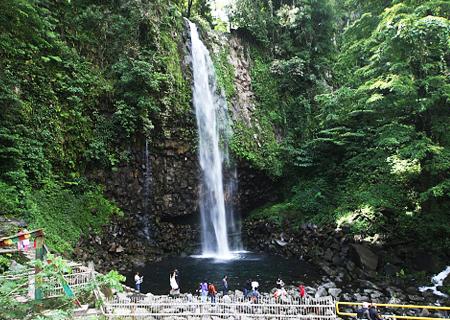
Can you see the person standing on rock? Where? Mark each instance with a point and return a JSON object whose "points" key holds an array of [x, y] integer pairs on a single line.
{"points": [[138, 279], [225, 285]]}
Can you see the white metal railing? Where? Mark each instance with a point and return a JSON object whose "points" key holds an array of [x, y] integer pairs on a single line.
{"points": [[76, 281], [163, 306], [187, 306], [52, 286]]}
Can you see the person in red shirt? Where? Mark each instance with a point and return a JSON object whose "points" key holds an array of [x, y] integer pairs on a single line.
{"points": [[301, 289], [212, 292]]}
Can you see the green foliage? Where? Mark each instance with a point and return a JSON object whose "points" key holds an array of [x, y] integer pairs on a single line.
{"points": [[256, 16], [9, 199], [310, 201], [199, 9], [79, 80], [4, 263], [287, 76], [50, 308], [257, 141], [112, 280], [225, 72], [64, 213], [257, 144], [77, 213], [393, 91], [375, 132]]}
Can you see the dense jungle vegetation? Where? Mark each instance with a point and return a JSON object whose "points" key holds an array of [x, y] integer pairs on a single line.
{"points": [[79, 81], [352, 107], [360, 93]]}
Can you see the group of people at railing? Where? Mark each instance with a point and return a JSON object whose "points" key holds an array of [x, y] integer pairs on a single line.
{"points": [[208, 290]]}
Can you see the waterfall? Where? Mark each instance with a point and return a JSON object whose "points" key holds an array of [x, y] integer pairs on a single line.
{"points": [[145, 217], [217, 216]]}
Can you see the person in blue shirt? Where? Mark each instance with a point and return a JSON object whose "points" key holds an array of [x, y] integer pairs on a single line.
{"points": [[373, 312]]}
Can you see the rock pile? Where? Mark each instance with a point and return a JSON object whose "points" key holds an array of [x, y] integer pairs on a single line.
{"points": [[119, 248], [352, 264]]}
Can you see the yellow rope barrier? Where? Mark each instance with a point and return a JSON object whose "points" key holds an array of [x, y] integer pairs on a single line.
{"points": [[389, 305]]}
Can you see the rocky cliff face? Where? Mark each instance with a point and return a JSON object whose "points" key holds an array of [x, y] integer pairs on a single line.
{"points": [[167, 191], [172, 186]]}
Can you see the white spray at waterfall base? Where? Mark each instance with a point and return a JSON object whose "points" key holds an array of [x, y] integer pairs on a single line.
{"points": [[212, 120], [437, 280]]}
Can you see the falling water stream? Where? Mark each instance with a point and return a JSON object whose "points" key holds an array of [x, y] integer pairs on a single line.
{"points": [[217, 215], [145, 217]]}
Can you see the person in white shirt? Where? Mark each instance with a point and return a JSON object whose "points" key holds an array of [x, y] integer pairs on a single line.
{"points": [[138, 279]]}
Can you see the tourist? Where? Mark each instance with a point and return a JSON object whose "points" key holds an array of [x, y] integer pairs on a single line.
{"points": [[301, 290], [280, 283], [255, 285], [175, 289], [177, 277], [204, 290], [212, 292], [26, 240], [363, 313], [19, 241], [254, 295], [373, 312], [247, 288], [225, 285], [138, 281], [280, 293]]}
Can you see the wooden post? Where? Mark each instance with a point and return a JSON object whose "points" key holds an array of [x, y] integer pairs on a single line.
{"points": [[38, 293]]}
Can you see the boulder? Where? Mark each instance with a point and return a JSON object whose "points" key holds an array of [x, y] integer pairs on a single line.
{"points": [[416, 298], [321, 292], [360, 298], [281, 243], [368, 284], [239, 294], [329, 270], [425, 313], [329, 285], [328, 255], [390, 269], [376, 295], [365, 257], [350, 265], [335, 292]]}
